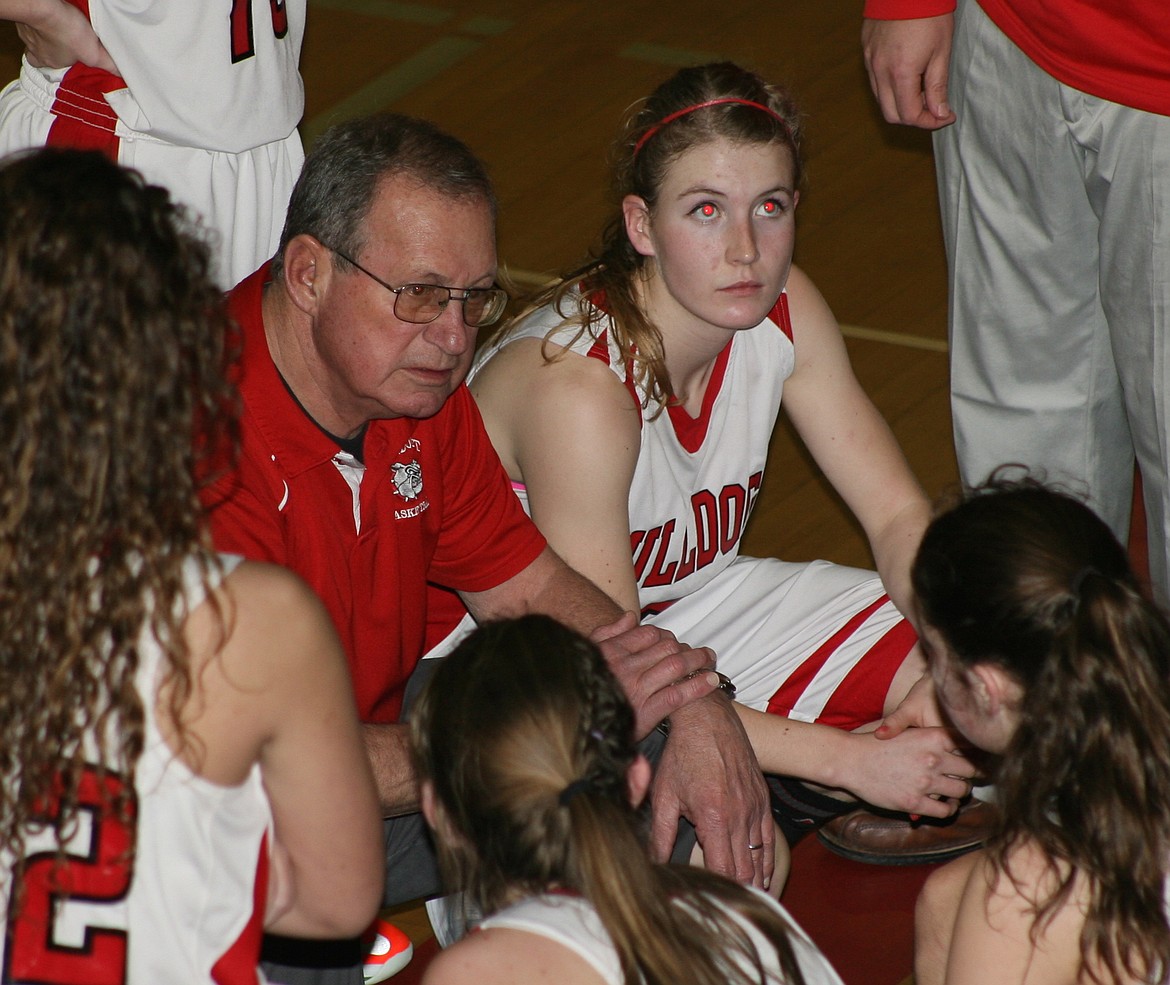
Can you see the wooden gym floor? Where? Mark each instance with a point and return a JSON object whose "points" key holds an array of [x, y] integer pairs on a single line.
{"points": [[537, 88]]}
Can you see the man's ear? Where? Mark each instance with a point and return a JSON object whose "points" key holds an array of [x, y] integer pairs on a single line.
{"points": [[637, 218], [307, 268], [638, 778]]}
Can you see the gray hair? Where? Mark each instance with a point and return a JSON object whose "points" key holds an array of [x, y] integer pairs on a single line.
{"points": [[342, 173]]}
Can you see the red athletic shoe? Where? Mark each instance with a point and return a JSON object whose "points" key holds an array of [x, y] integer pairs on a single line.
{"points": [[390, 951]]}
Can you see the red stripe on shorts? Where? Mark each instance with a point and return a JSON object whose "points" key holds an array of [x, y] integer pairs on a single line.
{"points": [[786, 697], [83, 119], [861, 697]]}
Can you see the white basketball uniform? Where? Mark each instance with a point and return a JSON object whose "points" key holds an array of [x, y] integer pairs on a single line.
{"points": [[207, 105], [811, 641], [188, 908], [573, 923]]}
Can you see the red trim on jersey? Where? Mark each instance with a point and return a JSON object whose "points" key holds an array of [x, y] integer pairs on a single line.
{"points": [[860, 698], [691, 431], [783, 701], [600, 348], [600, 351], [780, 315], [239, 962]]}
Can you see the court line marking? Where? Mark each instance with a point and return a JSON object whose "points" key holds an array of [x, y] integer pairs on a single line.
{"points": [[532, 279]]}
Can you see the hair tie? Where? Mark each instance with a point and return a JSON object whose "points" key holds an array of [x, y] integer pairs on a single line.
{"points": [[686, 110], [1078, 580], [571, 791], [597, 735]]}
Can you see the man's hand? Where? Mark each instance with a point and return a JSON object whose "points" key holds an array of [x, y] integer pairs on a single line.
{"points": [[907, 62], [920, 771], [654, 669], [709, 774], [56, 35]]}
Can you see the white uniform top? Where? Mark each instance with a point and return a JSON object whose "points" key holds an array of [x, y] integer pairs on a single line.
{"points": [[572, 922], [696, 479], [207, 105], [196, 73], [189, 909], [813, 641]]}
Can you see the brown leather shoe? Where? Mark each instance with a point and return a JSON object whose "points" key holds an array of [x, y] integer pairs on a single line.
{"points": [[893, 839]]}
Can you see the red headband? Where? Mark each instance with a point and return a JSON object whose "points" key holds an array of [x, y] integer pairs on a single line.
{"points": [[710, 102]]}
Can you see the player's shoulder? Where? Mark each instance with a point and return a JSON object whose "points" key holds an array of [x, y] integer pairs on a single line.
{"points": [[536, 376]]}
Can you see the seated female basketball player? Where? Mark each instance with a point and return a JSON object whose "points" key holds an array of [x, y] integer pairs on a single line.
{"points": [[523, 742], [633, 409], [180, 760]]}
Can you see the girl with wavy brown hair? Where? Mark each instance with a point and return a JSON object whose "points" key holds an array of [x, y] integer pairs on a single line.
{"points": [[633, 409], [1044, 650], [524, 746], [180, 761]]}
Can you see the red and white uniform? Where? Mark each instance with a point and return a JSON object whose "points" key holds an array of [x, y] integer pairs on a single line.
{"points": [[188, 908], [573, 923], [207, 104], [817, 641], [431, 502]]}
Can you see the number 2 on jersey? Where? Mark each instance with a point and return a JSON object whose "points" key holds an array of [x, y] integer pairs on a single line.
{"points": [[95, 870]]}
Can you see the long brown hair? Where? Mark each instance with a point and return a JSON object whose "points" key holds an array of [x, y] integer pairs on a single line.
{"points": [[516, 714], [112, 350], [649, 143], [1032, 580]]}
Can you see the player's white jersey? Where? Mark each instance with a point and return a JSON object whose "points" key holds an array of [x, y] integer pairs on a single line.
{"points": [[573, 923], [190, 907], [696, 479], [196, 72]]}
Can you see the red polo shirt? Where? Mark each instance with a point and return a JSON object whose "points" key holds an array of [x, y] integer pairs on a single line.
{"points": [[434, 504]]}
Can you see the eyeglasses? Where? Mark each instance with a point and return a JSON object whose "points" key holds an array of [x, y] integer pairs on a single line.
{"points": [[423, 303]]}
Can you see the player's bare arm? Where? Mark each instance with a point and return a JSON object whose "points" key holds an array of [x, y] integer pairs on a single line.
{"points": [[568, 429], [851, 442], [279, 690]]}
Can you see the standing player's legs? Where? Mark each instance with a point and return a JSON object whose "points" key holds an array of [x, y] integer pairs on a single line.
{"points": [[1033, 376], [1127, 173]]}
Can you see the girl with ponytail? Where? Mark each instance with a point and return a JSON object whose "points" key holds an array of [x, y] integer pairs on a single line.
{"points": [[632, 408], [524, 745], [1043, 649]]}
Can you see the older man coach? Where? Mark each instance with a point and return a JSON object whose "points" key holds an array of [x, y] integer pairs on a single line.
{"points": [[364, 467]]}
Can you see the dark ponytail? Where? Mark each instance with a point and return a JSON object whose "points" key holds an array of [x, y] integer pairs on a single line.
{"points": [[1033, 581]]}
